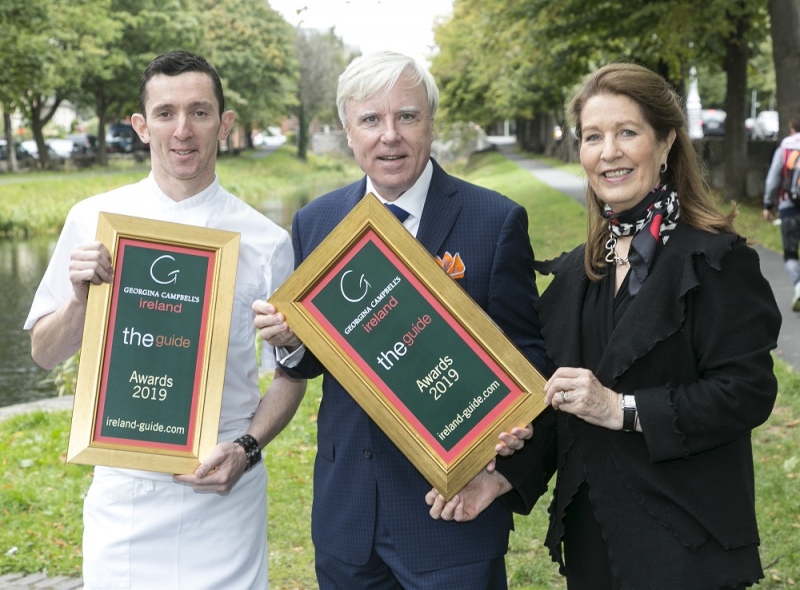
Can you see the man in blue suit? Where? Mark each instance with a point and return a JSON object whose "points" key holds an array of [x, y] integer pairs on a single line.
{"points": [[370, 522]]}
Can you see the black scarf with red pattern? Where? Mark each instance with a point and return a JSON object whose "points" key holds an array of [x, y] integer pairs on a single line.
{"points": [[650, 222]]}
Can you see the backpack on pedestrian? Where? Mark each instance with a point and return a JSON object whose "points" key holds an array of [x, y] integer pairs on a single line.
{"points": [[790, 184]]}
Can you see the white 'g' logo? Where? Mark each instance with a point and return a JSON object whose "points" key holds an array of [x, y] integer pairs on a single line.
{"points": [[362, 282], [173, 273]]}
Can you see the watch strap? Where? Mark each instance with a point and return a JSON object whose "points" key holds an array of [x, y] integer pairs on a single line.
{"points": [[628, 413], [251, 449]]}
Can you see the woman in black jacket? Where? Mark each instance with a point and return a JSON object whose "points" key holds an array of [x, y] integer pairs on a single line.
{"points": [[660, 328]]}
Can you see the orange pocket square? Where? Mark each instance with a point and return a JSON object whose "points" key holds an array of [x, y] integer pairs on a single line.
{"points": [[452, 265]]}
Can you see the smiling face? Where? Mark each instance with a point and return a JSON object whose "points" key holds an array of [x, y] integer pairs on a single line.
{"points": [[182, 125], [391, 135], [619, 150]]}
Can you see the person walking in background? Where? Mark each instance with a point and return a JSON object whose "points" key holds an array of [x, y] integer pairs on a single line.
{"points": [[661, 327], [145, 530], [370, 524], [782, 194]]}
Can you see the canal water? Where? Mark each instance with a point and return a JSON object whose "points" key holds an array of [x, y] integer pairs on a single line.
{"points": [[22, 264]]}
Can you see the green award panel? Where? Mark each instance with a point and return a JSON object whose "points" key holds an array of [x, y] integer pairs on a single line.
{"points": [[155, 340], [419, 356], [409, 344]]}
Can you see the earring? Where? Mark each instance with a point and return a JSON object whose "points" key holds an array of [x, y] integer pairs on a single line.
{"points": [[663, 167]]}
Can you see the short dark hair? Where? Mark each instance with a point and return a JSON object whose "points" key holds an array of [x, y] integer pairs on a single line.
{"points": [[794, 124], [174, 63]]}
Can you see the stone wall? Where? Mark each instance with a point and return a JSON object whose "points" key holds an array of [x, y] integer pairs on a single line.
{"points": [[332, 142], [759, 156]]}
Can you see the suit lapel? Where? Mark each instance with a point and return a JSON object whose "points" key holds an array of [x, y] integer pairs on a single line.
{"points": [[441, 210], [355, 192]]}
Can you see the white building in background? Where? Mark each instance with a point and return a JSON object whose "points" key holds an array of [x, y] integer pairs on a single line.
{"points": [[66, 114]]}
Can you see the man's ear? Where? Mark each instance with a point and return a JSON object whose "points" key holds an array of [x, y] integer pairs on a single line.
{"points": [[347, 133], [228, 118], [139, 125]]}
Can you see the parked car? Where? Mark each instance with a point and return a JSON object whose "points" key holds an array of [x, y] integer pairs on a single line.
{"points": [[62, 147], [713, 122], [268, 139], [29, 145], [24, 157], [749, 126], [83, 144], [766, 125], [121, 139]]}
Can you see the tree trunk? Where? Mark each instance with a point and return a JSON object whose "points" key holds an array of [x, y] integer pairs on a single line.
{"points": [[248, 135], [525, 134], [11, 141], [37, 128], [40, 116], [302, 133], [785, 23], [735, 146], [102, 114]]}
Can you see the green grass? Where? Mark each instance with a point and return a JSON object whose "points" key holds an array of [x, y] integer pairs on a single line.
{"points": [[556, 224], [41, 498], [38, 202]]}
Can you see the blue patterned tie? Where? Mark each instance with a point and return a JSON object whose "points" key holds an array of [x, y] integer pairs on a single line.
{"points": [[401, 214]]}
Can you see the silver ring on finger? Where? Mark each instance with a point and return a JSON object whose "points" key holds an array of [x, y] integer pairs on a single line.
{"points": [[563, 395]]}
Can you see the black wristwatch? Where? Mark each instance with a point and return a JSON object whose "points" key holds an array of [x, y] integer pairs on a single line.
{"points": [[251, 450], [628, 413]]}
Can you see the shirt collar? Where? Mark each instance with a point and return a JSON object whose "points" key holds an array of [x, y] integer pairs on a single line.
{"points": [[203, 196], [413, 200]]}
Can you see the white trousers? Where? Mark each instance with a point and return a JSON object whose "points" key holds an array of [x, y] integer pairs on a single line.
{"points": [[155, 534]]}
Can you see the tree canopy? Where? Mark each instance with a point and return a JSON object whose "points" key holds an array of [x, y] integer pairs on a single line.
{"points": [[521, 59], [323, 57], [92, 53], [511, 58]]}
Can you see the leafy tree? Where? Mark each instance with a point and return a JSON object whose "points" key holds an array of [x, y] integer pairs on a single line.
{"points": [[785, 24], [501, 58], [18, 20], [60, 46], [739, 17], [323, 57], [252, 47], [140, 30]]}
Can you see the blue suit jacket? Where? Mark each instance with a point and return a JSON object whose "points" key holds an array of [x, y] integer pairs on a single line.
{"points": [[360, 476]]}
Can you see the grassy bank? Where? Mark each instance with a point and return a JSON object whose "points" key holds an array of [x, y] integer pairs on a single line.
{"points": [[38, 202], [40, 497]]}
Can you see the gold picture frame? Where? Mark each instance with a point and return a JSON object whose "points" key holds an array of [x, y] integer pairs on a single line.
{"points": [[408, 343], [155, 342]]}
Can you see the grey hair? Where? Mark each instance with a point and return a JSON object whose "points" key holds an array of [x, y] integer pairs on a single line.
{"points": [[368, 74]]}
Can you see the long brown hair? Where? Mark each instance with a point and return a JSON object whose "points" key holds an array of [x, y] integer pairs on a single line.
{"points": [[663, 111]]}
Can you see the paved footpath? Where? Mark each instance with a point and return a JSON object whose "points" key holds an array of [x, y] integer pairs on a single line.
{"points": [[39, 582], [771, 266]]}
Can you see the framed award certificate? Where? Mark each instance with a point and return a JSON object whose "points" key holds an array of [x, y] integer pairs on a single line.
{"points": [[411, 347], [155, 343]]}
